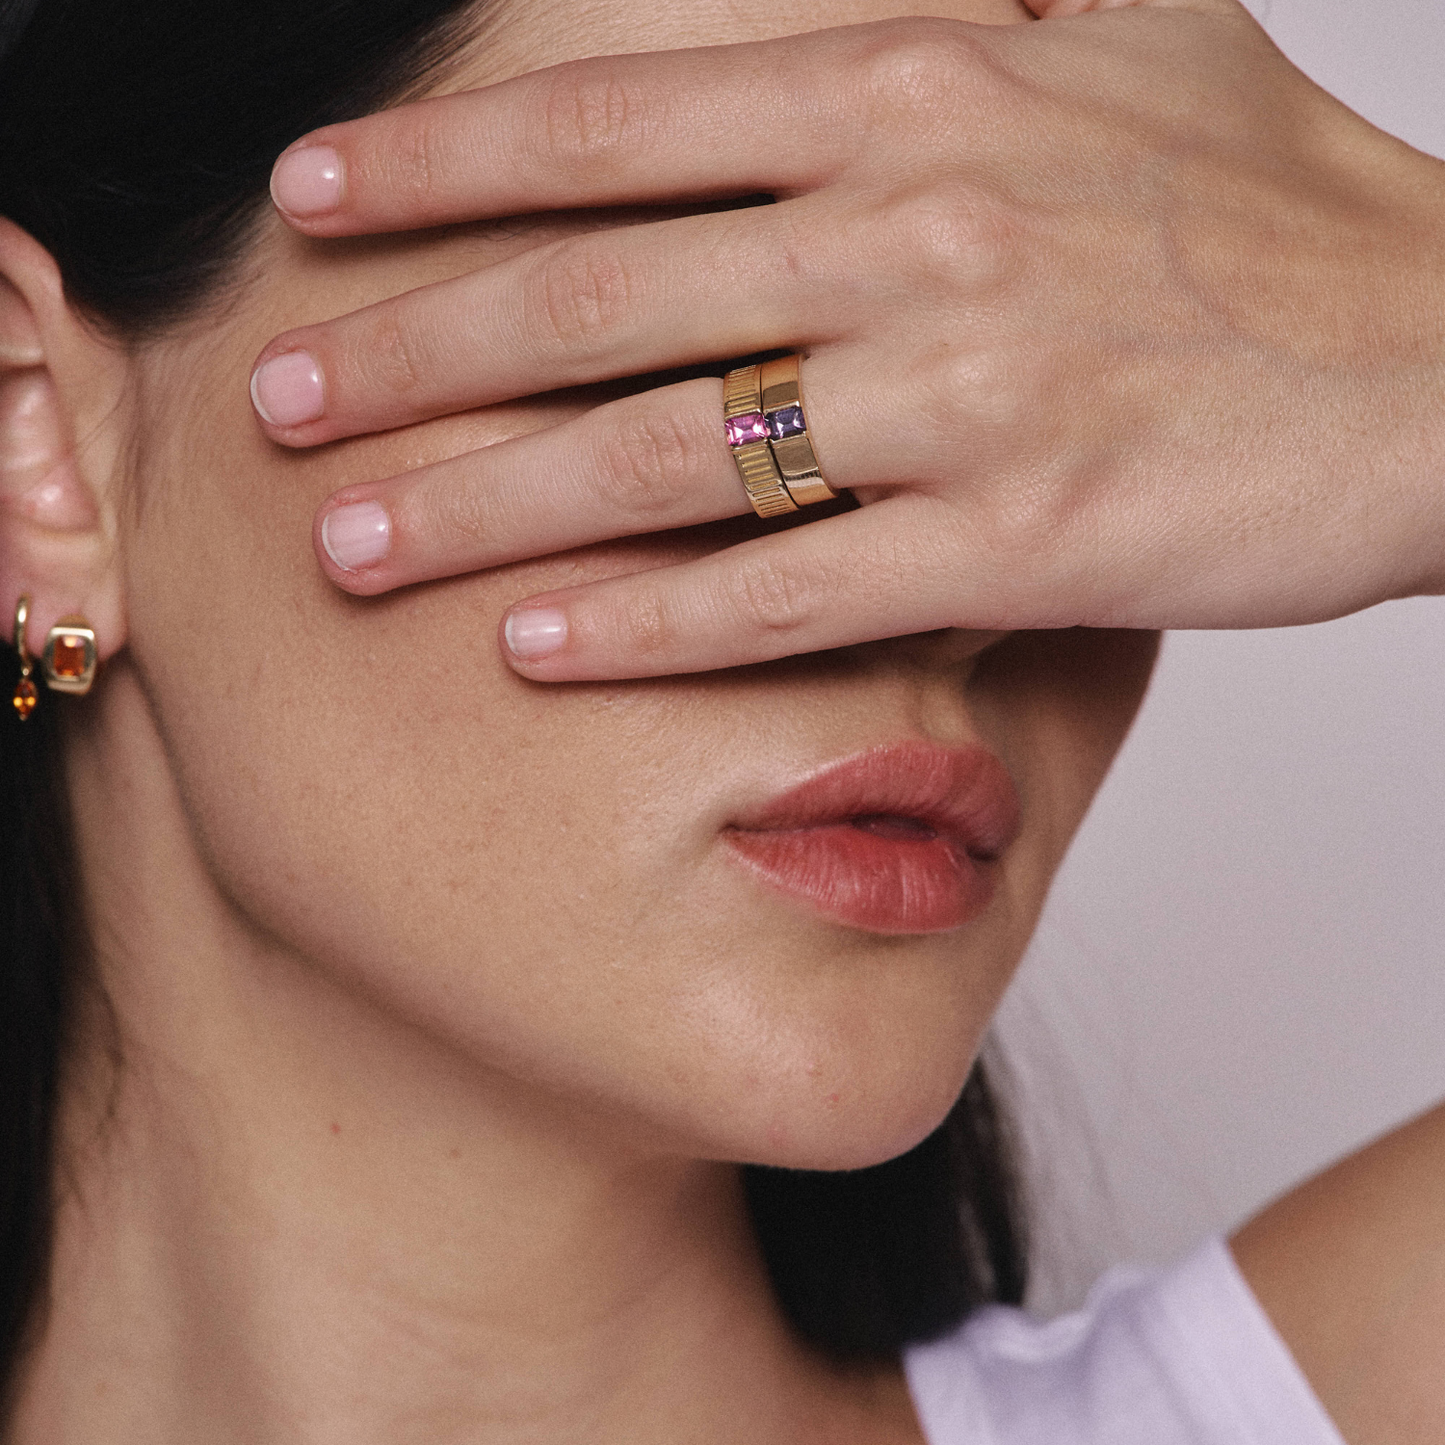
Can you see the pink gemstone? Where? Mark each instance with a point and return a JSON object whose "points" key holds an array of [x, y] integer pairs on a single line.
{"points": [[753, 427]]}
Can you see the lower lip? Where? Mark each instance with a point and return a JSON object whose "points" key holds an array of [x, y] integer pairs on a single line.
{"points": [[890, 873]]}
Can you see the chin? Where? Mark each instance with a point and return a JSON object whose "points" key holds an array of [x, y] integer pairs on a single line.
{"points": [[878, 1115]]}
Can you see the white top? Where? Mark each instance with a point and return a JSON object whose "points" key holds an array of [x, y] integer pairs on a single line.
{"points": [[1183, 1356]]}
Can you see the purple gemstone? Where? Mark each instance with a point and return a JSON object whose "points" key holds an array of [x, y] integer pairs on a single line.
{"points": [[752, 427], [787, 421]]}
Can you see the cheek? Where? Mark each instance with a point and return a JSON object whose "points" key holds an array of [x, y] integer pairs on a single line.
{"points": [[528, 872], [532, 875], [367, 775], [531, 872], [374, 790], [360, 773]]}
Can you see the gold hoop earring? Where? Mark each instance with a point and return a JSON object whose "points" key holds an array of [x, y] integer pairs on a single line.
{"points": [[69, 656], [25, 696]]}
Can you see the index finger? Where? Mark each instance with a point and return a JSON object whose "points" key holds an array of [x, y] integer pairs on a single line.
{"points": [[728, 120]]}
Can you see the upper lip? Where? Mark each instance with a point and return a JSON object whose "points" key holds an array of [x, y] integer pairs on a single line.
{"points": [[964, 793]]}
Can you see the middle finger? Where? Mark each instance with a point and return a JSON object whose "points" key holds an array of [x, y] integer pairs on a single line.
{"points": [[594, 307]]}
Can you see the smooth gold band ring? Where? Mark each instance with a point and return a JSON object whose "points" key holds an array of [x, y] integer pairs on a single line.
{"points": [[781, 383]]}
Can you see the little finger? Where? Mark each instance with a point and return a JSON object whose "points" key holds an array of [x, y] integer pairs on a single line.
{"points": [[901, 566]]}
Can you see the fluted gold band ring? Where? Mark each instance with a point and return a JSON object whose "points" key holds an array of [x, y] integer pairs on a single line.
{"points": [[768, 436]]}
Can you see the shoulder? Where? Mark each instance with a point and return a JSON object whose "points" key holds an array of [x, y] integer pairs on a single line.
{"points": [[1351, 1269], [1182, 1356]]}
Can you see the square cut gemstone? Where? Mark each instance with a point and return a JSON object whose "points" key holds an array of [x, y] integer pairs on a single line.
{"points": [[751, 427], [787, 421], [68, 658]]}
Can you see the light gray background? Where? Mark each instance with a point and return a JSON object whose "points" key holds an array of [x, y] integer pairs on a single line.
{"points": [[1239, 975]]}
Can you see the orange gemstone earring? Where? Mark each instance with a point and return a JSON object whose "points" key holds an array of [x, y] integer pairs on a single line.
{"points": [[25, 696], [69, 656]]}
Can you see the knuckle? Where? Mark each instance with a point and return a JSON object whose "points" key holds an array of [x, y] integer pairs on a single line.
{"points": [[650, 626], [1033, 521], [920, 68], [951, 230], [769, 598], [1026, 523], [411, 151], [387, 351], [590, 121], [647, 466], [972, 394], [457, 517], [582, 292], [1030, 483]]}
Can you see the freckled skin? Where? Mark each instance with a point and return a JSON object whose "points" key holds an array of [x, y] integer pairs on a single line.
{"points": [[415, 799]]}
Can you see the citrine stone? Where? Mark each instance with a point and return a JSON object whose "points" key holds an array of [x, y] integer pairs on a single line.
{"points": [[67, 658], [25, 698]]}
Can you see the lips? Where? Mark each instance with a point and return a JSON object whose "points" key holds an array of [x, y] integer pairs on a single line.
{"points": [[899, 839]]}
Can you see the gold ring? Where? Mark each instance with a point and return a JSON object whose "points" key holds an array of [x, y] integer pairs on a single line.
{"points": [[781, 383], [746, 429]]}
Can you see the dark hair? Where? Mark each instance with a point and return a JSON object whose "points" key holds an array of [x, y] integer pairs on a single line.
{"points": [[136, 142], [867, 1261]]}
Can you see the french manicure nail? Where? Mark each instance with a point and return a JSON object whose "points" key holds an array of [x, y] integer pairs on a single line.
{"points": [[288, 390], [307, 182], [533, 633], [357, 535]]}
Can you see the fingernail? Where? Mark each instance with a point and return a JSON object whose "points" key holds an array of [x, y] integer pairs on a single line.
{"points": [[287, 390], [535, 632], [307, 182], [356, 535]]}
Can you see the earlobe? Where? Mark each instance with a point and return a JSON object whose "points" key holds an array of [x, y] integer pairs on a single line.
{"points": [[58, 381]]}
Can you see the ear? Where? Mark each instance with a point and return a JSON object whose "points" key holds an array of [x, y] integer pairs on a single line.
{"points": [[61, 388]]}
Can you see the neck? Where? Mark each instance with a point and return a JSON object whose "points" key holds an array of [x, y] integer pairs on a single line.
{"points": [[284, 1213]]}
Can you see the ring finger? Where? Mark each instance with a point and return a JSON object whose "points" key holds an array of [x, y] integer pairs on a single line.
{"points": [[646, 463]]}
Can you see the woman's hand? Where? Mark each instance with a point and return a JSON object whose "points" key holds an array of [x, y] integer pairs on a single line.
{"points": [[1112, 320]]}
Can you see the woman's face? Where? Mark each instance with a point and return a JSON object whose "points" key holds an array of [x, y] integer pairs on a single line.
{"points": [[549, 878]]}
